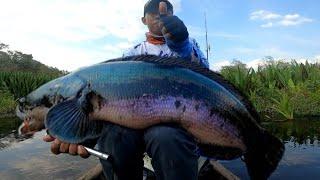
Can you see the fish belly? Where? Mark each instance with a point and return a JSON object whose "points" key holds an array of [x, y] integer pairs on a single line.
{"points": [[193, 115]]}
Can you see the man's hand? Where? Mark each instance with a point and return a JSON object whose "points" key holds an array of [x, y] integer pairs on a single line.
{"points": [[172, 27], [58, 147]]}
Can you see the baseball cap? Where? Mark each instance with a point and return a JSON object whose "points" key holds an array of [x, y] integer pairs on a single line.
{"points": [[152, 6]]}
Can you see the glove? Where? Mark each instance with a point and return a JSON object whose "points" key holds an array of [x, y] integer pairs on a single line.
{"points": [[176, 29]]}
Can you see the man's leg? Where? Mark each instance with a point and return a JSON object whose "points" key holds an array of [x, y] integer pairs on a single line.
{"points": [[173, 152], [126, 149]]}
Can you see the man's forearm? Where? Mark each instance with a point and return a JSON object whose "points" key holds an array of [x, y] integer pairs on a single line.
{"points": [[183, 49]]}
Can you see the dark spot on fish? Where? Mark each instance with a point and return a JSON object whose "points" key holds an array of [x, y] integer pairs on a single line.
{"points": [[46, 101], [196, 107], [146, 104], [221, 125], [100, 103], [211, 112], [177, 104], [184, 109]]}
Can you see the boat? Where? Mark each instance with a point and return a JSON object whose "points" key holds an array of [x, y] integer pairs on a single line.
{"points": [[208, 169]]}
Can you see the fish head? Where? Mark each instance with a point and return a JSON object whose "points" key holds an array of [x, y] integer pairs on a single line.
{"points": [[33, 121], [33, 108]]}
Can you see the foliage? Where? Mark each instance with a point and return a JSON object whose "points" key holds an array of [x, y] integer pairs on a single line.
{"points": [[19, 75], [7, 103], [279, 88], [21, 83]]}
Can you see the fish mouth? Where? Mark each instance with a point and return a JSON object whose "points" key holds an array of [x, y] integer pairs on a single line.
{"points": [[24, 130], [33, 119], [28, 127], [23, 112]]}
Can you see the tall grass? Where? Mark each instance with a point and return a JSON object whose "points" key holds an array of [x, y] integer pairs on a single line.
{"points": [[279, 88], [14, 85], [7, 103], [21, 83]]}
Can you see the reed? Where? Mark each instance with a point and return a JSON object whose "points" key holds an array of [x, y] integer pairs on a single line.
{"points": [[21, 83], [279, 88]]}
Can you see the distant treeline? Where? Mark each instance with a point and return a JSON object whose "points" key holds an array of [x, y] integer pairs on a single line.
{"points": [[16, 61], [19, 75]]}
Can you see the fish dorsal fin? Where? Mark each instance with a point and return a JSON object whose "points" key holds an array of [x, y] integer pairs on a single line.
{"points": [[179, 62]]}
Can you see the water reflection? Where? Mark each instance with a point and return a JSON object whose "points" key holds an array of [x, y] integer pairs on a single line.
{"points": [[301, 159], [9, 125], [32, 159], [298, 132], [23, 158]]}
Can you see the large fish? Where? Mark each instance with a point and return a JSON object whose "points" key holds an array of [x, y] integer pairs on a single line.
{"points": [[141, 91]]}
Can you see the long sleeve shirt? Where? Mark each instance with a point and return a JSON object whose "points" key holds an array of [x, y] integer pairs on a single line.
{"points": [[186, 50]]}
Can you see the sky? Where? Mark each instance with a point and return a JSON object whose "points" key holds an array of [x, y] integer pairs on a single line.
{"points": [[69, 34]]}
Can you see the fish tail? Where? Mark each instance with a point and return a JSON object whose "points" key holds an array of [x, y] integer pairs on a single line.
{"points": [[263, 159], [69, 122]]}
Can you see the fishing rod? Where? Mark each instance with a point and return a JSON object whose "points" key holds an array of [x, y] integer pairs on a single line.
{"points": [[207, 44], [97, 153]]}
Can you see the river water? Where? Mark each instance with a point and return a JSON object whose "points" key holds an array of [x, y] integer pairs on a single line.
{"points": [[30, 158]]}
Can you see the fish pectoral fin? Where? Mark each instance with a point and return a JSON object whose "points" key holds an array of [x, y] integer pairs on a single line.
{"points": [[69, 122]]}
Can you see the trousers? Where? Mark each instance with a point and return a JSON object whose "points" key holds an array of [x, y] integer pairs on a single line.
{"points": [[173, 151]]}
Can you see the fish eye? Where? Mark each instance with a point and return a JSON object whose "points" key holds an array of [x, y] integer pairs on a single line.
{"points": [[46, 101], [21, 100]]}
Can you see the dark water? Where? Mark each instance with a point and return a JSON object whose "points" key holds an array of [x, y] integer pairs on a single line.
{"points": [[302, 156], [8, 125], [22, 158]]}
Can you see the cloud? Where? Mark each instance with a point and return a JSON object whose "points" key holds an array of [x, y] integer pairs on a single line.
{"points": [[255, 63], [118, 48], [218, 65], [250, 64], [271, 19], [293, 19], [55, 32], [317, 59], [269, 24], [264, 15]]}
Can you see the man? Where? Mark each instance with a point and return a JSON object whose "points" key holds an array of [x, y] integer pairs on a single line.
{"points": [[173, 151], [167, 36]]}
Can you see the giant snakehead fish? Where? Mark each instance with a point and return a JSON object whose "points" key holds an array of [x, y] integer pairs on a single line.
{"points": [[141, 91]]}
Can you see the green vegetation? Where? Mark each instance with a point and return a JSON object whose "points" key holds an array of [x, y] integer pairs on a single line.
{"points": [[279, 89], [21, 83], [19, 75], [7, 103]]}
